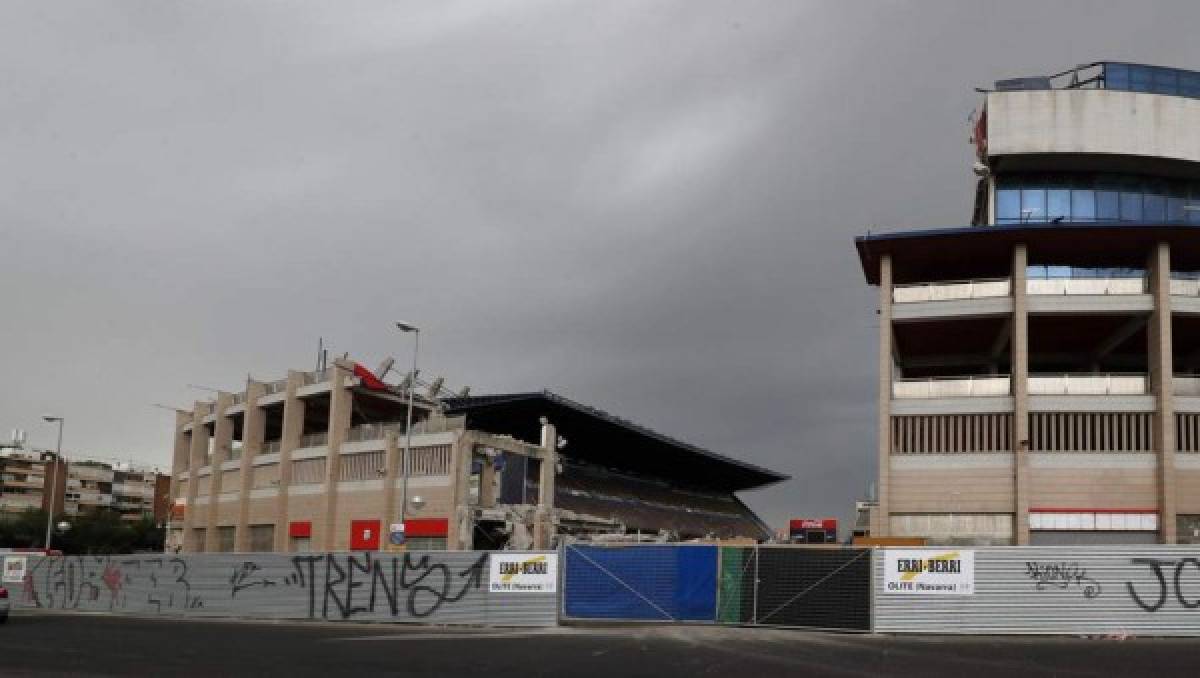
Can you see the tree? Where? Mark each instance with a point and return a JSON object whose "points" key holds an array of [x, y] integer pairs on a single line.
{"points": [[101, 531]]}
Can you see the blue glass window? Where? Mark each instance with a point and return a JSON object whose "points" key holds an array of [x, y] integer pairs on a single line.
{"points": [[1083, 205], [1189, 84], [1106, 206], [1083, 198], [1008, 206], [1140, 79], [1166, 81], [1033, 204], [1154, 207], [1131, 206], [1058, 204], [1175, 212], [1116, 76]]}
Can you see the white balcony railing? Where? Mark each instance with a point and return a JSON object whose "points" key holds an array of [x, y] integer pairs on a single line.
{"points": [[951, 290], [314, 439], [951, 387], [1187, 386], [272, 447], [1094, 286], [372, 431], [1185, 287], [1088, 384]]}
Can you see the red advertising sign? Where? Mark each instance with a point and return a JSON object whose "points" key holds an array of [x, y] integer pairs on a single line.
{"points": [[364, 535]]}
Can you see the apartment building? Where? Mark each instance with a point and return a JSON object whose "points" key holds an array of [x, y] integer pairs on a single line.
{"points": [[134, 493], [1039, 370], [316, 461], [26, 479]]}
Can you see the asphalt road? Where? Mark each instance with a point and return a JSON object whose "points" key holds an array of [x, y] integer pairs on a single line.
{"points": [[50, 644]]}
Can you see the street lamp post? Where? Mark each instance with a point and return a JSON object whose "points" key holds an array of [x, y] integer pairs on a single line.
{"points": [[412, 385], [54, 488]]}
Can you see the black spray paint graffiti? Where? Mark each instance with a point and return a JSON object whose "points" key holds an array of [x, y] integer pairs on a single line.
{"points": [[1062, 575], [1156, 565], [341, 586], [243, 578], [105, 582]]}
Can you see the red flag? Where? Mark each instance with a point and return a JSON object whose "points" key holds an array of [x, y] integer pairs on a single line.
{"points": [[369, 379]]}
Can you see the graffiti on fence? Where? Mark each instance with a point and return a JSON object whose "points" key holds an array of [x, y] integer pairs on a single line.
{"points": [[413, 586], [348, 584], [107, 582], [1156, 566], [1062, 575]]}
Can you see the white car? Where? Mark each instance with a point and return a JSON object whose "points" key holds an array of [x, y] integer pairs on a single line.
{"points": [[3, 604]]}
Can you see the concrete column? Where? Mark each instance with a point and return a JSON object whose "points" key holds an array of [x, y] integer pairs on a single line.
{"points": [[341, 400], [1162, 381], [487, 483], [254, 427], [882, 526], [293, 428], [181, 456], [543, 525], [197, 458], [222, 443], [458, 533], [1020, 389], [391, 463]]}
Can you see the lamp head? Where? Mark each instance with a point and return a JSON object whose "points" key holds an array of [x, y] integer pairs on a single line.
{"points": [[406, 327]]}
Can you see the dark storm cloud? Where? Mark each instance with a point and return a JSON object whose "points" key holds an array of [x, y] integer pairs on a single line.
{"points": [[646, 206]]}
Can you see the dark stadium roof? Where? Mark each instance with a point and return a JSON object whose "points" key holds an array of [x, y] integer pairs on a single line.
{"points": [[984, 251], [604, 439]]}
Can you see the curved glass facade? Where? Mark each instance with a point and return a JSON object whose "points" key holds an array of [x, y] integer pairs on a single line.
{"points": [[1030, 198]]}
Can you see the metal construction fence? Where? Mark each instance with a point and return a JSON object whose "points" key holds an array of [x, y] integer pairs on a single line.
{"points": [[437, 587], [751, 585], [1050, 590]]}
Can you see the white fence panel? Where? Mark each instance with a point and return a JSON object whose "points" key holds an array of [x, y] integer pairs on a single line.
{"points": [[1052, 590]]}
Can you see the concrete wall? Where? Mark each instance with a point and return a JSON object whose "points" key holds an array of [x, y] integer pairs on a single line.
{"points": [[1093, 121]]}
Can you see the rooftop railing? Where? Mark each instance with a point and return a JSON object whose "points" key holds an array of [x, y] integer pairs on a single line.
{"points": [[1088, 384], [277, 386], [952, 387], [952, 289]]}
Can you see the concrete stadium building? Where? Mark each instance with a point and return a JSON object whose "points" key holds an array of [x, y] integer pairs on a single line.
{"points": [[1039, 370], [314, 462]]}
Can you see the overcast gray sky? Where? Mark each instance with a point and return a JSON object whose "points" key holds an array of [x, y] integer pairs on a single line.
{"points": [[645, 206]]}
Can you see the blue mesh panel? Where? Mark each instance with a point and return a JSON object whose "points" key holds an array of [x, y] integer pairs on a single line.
{"points": [[641, 582]]}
